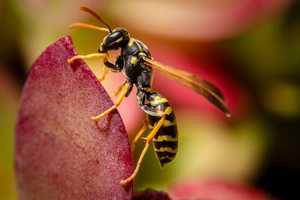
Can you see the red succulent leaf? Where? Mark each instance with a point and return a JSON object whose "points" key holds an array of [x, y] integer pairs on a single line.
{"points": [[60, 152]]}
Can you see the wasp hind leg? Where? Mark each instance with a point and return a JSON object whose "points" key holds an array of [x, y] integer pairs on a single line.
{"points": [[148, 139], [126, 88], [138, 136]]}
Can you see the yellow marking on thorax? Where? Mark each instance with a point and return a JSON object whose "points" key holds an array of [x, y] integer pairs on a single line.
{"points": [[166, 149], [130, 43], [119, 40], [142, 54], [167, 138], [133, 60]]}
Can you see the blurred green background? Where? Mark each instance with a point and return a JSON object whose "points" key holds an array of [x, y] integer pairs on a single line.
{"points": [[248, 48]]}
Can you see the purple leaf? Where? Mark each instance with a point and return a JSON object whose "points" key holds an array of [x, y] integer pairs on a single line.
{"points": [[60, 152]]}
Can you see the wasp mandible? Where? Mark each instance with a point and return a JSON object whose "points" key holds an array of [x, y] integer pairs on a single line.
{"points": [[136, 62]]}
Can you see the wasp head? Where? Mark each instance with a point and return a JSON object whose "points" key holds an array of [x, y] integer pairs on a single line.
{"points": [[117, 38]]}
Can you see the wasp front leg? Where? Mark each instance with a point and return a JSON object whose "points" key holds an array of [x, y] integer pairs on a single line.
{"points": [[110, 66], [92, 55], [126, 88], [104, 69], [104, 72]]}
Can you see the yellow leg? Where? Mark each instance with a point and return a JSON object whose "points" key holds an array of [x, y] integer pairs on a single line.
{"points": [[120, 98], [153, 132], [149, 139], [104, 72], [92, 55], [137, 137], [119, 89]]}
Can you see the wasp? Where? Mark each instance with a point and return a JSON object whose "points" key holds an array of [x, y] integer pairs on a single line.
{"points": [[137, 64]]}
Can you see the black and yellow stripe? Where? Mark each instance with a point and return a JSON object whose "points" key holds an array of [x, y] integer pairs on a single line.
{"points": [[165, 141]]}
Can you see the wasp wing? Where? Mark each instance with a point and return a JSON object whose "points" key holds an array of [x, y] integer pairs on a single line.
{"points": [[203, 87]]}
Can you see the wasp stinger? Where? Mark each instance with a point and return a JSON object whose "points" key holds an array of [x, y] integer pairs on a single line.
{"points": [[136, 63]]}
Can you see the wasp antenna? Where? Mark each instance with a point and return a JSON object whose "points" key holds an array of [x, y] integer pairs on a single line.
{"points": [[88, 26], [93, 13]]}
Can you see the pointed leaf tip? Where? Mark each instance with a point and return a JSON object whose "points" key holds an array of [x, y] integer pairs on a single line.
{"points": [[60, 153]]}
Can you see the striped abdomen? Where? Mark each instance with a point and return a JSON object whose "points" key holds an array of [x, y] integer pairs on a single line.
{"points": [[165, 141]]}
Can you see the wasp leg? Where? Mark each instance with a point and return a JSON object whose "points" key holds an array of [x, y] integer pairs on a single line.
{"points": [[117, 93], [137, 137], [157, 126], [124, 91], [149, 139], [92, 55], [104, 72]]}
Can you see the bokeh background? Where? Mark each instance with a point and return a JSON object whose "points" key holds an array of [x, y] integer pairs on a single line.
{"points": [[248, 48]]}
